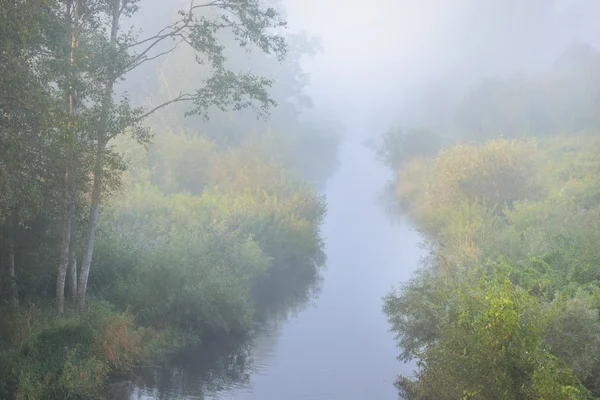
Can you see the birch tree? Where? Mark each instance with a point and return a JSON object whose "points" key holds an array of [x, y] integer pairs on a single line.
{"points": [[74, 23], [253, 26]]}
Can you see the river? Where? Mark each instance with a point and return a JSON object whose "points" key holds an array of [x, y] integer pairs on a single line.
{"points": [[334, 344]]}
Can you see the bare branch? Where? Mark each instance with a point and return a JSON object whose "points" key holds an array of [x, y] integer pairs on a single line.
{"points": [[148, 39], [161, 35], [142, 59], [157, 41], [216, 3], [122, 8], [180, 98]]}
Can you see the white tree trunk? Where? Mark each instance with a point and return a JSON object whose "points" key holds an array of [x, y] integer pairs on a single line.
{"points": [[102, 138], [69, 198], [72, 267], [64, 256], [91, 238]]}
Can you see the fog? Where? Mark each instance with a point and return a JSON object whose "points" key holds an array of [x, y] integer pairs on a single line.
{"points": [[390, 61], [380, 58], [416, 180], [382, 64]]}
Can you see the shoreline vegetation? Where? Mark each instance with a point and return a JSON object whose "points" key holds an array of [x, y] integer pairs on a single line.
{"points": [[172, 270], [506, 305], [131, 223]]}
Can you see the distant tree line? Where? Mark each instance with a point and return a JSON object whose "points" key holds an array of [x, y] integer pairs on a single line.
{"points": [[563, 99]]}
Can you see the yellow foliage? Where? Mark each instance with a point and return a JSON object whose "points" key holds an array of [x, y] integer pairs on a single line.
{"points": [[496, 173], [457, 197], [240, 169]]}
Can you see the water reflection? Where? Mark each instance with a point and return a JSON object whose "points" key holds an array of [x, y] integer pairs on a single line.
{"points": [[198, 372], [389, 204], [195, 373], [287, 291]]}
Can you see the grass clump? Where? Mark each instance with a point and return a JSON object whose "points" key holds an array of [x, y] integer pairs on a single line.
{"points": [[70, 356]]}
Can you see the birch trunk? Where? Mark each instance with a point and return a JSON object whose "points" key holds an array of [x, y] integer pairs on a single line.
{"points": [[91, 237], [69, 204], [72, 267], [64, 255], [98, 168]]}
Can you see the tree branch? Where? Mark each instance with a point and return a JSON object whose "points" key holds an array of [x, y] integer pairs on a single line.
{"points": [[160, 36], [122, 8], [216, 3], [180, 98], [142, 58]]}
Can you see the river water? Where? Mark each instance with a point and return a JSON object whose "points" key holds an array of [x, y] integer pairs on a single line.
{"points": [[333, 343]]}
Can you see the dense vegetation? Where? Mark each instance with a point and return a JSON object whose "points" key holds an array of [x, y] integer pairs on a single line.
{"points": [[146, 230], [506, 304]]}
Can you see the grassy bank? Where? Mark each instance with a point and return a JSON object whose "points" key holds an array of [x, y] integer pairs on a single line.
{"points": [[70, 356], [506, 306]]}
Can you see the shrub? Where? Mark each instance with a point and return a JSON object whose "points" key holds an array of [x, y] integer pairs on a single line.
{"points": [[507, 306], [190, 269], [486, 337], [69, 356], [190, 260]]}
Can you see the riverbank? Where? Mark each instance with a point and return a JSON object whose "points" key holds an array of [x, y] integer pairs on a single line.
{"points": [[507, 303], [71, 356], [174, 265], [75, 355]]}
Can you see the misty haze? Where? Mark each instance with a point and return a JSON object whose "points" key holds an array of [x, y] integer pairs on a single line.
{"points": [[299, 199]]}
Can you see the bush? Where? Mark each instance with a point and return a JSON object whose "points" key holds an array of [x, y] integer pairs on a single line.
{"points": [[507, 305], [191, 261], [190, 270], [485, 337], [495, 175], [69, 356]]}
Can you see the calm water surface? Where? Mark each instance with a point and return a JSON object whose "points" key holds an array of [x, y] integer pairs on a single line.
{"points": [[333, 342]]}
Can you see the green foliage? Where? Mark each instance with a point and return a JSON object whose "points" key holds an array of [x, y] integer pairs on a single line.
{"points": [[462, 195], [68, 356], [191, 259], [190, 225], [304, 141], [478, 335], [507, 305], [184, 267]]}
